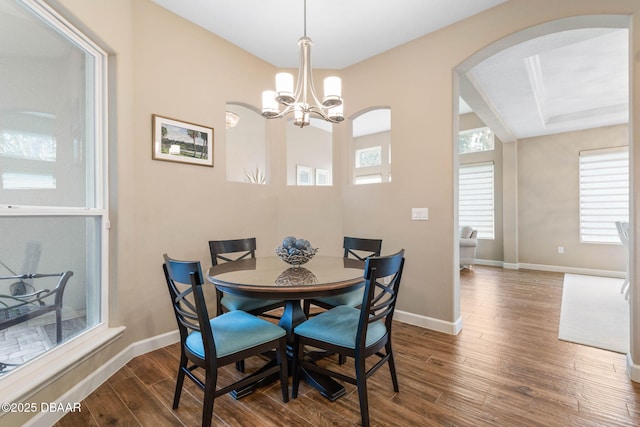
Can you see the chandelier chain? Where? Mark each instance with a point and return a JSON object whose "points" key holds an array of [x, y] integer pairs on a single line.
{"points": [[305, 18]]}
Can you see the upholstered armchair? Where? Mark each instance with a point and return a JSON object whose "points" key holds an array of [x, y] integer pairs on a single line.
{"points": [[468, 244]]}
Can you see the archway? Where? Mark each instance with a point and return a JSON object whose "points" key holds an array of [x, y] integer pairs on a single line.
{"points": [[462, 83]]}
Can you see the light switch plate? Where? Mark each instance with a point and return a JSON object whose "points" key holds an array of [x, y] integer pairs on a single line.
{"points": [[419, 214]]}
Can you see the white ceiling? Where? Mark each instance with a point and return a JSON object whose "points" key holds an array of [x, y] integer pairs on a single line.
{"points": [[565, 81], [343, 32]]}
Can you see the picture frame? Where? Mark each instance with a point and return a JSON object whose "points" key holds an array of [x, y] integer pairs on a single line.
{"points": [[182, 142], [322, 177], [304, 175]]}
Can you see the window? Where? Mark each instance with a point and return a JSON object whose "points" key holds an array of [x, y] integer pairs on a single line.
{"points": [[372, 147], [368, 157], [53, 195], [476, 198], [475, 140], [604, 193]]}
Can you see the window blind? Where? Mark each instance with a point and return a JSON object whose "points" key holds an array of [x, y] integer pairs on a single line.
{"points": [[604, 193], [476, 198]]}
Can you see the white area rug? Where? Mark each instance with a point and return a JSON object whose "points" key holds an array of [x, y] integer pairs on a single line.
{"points": [[594, 312]]}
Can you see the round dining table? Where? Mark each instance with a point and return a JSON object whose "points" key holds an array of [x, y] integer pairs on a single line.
{"points": [[272, 278]]}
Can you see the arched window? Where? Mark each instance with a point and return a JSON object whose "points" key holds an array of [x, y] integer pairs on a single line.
{"points": [[246, 145], [372, 147]]}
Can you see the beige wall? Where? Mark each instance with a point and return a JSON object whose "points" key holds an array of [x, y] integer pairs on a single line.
{"points": [[549, 209], [165, 65], [547, 205]]}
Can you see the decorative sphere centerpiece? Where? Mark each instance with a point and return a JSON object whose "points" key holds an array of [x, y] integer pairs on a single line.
{"points": [[295, 251]]}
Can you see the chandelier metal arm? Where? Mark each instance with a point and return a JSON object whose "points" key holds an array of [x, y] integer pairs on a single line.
{"points": [[309, 109]]}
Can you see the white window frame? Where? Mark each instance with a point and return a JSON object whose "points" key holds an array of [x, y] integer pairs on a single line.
{"points": [[476, 198], [374, 178], [604, 193], [48, 367]]}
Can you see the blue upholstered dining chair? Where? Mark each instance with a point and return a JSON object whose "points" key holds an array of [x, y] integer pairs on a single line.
{"points": [[212, 343], [235, 250], [354, 247], [358, 333]]}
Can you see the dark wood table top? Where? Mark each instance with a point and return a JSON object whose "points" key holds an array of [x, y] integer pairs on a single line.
{"points": [[270, 277]]}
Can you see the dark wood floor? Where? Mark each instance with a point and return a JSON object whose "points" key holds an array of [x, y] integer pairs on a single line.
{"points": [[506, 368]]}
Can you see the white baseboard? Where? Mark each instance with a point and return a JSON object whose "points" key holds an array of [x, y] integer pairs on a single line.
{"points": [[553, 268], [632, 369], [490, 262], [573, 270], [451, 328], [89, 384]]}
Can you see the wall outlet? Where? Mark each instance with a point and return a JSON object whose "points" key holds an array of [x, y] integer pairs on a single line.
{"points": [[560, 249], [419, 214]]}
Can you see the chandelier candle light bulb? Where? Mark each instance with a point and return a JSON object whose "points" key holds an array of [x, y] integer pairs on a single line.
{"points": [[337, 113], [284, 88], [269, 104], [332, 92]]}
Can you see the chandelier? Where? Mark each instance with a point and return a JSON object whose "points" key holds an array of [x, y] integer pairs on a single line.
{"points": [[303, 102]]}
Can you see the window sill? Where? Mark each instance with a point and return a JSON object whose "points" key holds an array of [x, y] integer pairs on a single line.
{"points": [[40, 372]]}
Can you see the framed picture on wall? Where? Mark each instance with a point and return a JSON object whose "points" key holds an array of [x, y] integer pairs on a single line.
{"points": [[304, 175], [182, 142], [322, 177]]}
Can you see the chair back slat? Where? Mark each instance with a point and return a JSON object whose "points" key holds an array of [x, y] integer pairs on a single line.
{"points": [[203, 318], [361, 248], [381, 305], [242, 248], [188, 315], [382, 281]]}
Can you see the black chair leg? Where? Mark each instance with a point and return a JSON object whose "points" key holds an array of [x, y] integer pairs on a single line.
{"points": [[392, 367], [240, 366], [284, 371], [342, 359], [179, 381], [296, 366], [361, 380], [209, 397]]}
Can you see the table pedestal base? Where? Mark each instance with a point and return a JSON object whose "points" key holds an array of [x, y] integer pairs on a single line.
{"points": [[327, 386]]}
